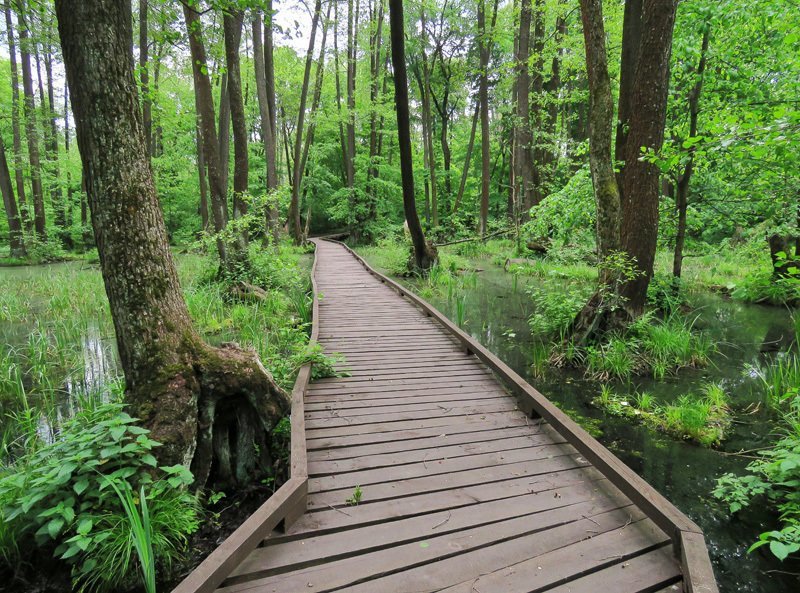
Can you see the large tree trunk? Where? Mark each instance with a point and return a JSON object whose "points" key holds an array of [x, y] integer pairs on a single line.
{"points": [[601, 114], [640, 186], [345, 159], [15, 240], [205, 103], [523, 159], [537, 123], [295, 226], [631, 47], [483, 101], [201, 171], [31, 127], [147, 109], [19, 177], [210, 408], [232, 25], [424, 254], [682, 188], [267, 130]]}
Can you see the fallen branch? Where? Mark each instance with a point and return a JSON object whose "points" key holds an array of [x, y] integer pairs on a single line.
{"points": [[484, 238]]}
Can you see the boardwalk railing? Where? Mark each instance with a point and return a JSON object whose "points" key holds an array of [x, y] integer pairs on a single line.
{"points": [[687, 538], [283, 507]]}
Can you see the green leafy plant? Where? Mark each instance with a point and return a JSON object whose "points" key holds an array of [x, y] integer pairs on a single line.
{"points": [[355, 497], [774, 475], [63, 495]]}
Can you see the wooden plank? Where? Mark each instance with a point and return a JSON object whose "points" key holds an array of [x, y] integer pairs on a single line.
{"points": [[373, 403], [330, 466], [388, 418], [411, 424], [558, 527], [390, 384], [421, 443], [280, 556], [696, 564], [641, 574], [537, 573], [467, 487], [424, 468], [352, 410], [416, 432], [461, 370]]}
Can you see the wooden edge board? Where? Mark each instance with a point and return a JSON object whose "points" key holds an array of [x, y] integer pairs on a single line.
{"points": [[285, 505], [221, 562], [682, 530]]}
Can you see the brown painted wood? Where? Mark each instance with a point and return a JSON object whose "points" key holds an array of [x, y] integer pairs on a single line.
{"points": [[659, 508], [458, 488]]}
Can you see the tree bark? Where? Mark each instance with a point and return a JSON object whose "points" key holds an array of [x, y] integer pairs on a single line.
{"points": [[15, 240], [211, 408], [224, 132], [425, 91], [205, 103], [232, 26], [483, 101], [631, 47], [31, 127], [376, 63], [352, 30], [640, 187], [17, 137], [468, 158], [682, 187], [267, 130], [424, 254], [295, 225], [56, 191], [601, 114], [147, 110], [523, 159], [201, 171]]}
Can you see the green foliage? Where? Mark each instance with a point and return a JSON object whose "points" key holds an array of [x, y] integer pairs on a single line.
{"points": [[780, 381], [355, 497], [774, 475], [566, 213], [704, 419], [61, 496]]}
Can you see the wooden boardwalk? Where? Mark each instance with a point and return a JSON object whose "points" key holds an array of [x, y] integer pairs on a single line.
{"points": [[464, 487]]}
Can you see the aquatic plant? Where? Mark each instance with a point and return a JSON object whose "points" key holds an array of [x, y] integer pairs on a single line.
{"points": [[703, 418]]}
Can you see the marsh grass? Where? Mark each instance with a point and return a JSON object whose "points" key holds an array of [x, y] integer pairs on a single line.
{"points": [[704, 418]]}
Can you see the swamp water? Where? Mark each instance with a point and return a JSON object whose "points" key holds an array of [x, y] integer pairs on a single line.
{"points": [[494, 310]]}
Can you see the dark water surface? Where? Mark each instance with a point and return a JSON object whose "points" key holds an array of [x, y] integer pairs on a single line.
{"points": [[495, 312]]}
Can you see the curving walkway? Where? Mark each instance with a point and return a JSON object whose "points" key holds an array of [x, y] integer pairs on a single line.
{"points": [[461, 491]]}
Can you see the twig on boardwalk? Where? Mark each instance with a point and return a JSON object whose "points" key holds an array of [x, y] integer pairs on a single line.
{"points": [[442, 522], [590, 519], [339, 510]]}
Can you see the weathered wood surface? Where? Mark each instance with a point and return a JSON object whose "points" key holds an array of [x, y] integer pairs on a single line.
{"points": [[462, 491]]}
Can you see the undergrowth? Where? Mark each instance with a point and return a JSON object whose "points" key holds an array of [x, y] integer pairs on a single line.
{"points": [[703, 418]]}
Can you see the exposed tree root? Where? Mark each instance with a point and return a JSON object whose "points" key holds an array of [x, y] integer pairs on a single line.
{"points": [[215, 412]]}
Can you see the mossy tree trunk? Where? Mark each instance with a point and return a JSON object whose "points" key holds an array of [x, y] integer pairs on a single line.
{"points": [[627, 204], [212, 408]]}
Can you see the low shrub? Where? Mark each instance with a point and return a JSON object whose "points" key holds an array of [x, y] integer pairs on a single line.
{"points": [[58, 496]]}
